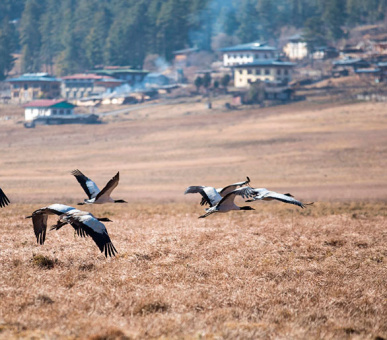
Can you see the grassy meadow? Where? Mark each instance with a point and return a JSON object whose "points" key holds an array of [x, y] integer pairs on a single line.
{"points": [[277, 272]]}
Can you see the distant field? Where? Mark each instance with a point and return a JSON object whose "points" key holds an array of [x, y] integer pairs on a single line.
{"points": [[277, 272]]}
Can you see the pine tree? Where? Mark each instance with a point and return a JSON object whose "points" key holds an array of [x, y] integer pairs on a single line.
{"points": [[50, 45], [334, 16], [68, 59], [247, 17], [95, 41], [30, 36], [7, 46]]}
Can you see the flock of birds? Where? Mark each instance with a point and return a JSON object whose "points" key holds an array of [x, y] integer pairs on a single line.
{"points": [[220, 200]]}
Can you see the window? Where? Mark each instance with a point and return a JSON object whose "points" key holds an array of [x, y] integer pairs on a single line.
{"points": [[258, 71], [61, 112], [25, 86], [267, 71], [249, 71], [286, 72], [54, 111], [265, 56], [279, 72]]}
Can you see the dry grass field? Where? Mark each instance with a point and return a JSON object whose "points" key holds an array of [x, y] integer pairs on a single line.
{"points": [[278, 272]]}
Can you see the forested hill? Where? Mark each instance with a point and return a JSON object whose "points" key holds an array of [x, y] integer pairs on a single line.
{"points": [[78, 34]]}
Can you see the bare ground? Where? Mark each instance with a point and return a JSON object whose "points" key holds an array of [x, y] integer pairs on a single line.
{"points": [[279, 272]]}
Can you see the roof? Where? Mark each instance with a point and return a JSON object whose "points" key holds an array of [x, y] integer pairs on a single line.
{"points": [[112, 71], [83, 76], [349, 61], [186, 50], [266, 62], [34, 77], [49, 103], [253, 46], [368, 70]]}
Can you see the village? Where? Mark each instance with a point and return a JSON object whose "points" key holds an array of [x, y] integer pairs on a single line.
{"points": [[255, 73]]}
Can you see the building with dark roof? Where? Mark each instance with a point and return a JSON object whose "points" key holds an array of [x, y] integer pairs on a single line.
{"points": [[125, 73], [84, 85], [247, 53], [30, 86], [272, 71]]}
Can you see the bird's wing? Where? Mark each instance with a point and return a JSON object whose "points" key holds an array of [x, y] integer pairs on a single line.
{"points": [[58, 209], [210, 195], [89, 225], [109, 187], [3, 199], [283, 198], [40, 225], [226, 190], [228, 200], [86, 183]]}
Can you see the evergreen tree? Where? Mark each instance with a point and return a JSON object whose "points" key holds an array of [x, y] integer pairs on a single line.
{"points": [[95, 41], [7, 46], [334, 17], [198, 83], [68, 59], [30, 36], [50, 45], [248, 22]]}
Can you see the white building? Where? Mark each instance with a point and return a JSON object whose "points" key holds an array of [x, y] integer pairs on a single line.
{"points": [[46, 108], [296, 48], [247, 53], [269, 71]]}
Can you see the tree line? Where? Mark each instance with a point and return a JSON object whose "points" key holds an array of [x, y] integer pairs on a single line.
{"points": [[74, 35]]}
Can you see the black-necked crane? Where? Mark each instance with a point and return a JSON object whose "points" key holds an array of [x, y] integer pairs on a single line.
{"points": [[83, 222], [3, 199], [95, 195], [212, 196], [262, 194], [227, 202]]}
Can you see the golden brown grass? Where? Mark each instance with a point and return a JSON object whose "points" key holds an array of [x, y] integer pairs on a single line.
{"points": [[279, 272]]}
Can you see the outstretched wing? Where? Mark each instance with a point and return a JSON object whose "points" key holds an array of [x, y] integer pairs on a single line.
{"points": [[86, 183], [40, 226], [286, 198], [226, 190], [109, 187], [58, 209], [90, 226], [3, 199], [209, 194], [228, 200]]}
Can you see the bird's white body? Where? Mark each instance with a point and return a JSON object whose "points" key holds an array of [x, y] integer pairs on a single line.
{"points": [[213, 196], [95, 195], [83, 222], [227, 202]]}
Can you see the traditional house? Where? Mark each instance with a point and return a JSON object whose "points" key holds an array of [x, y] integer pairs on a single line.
{"points": [[345, 66], [49, 112], [247, 53], [182, 58], [47, 107], [324, 52], [84, 85], [31, 86], [296, 48], [125, 73], [273, 71]]}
